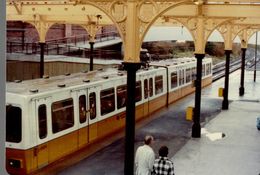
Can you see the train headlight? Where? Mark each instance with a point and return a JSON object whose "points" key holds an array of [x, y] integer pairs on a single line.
{"points": [[14, 163]]}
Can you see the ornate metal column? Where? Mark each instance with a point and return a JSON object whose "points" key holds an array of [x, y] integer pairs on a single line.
{"points": [[91, 55], [131, 69], [92, 27], [42, 45], [241, 88], [199, 54], [196, 117], [225, 100], [132, 64]]}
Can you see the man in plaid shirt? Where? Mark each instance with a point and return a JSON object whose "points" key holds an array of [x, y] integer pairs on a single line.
{"points": [[163, 165]]}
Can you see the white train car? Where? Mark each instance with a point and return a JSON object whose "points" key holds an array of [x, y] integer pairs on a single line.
{"points": [[50, 118]]}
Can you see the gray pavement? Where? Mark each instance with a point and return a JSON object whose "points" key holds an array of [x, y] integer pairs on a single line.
{"points": [[236, 153]]}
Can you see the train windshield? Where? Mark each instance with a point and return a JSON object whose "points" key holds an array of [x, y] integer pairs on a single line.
{"points": [[13, 124]]}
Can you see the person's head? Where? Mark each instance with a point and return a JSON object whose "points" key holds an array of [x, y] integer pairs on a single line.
{"points": [[148, 139], [163, 151]]}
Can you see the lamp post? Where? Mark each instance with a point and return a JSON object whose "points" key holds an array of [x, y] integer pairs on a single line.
{"points": [[92, 41]]}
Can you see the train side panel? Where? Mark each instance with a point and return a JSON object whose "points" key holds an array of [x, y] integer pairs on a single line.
{"points": [[71, 125], [20, 162], [62, 146]]}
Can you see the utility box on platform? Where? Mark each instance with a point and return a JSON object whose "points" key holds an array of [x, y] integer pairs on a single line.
{"points": [[189, 113], [221, 92]]}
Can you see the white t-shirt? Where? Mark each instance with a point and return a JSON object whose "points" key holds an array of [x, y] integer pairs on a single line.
{"points": [[144, 159]]}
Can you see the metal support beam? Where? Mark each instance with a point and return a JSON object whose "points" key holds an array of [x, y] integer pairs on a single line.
{"points": [[196, 129], [42, 59], [241, 88], [130, 117], [225, 100], [91, 55]]}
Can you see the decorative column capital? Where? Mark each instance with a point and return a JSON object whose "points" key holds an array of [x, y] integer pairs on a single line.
{"points": [[199, 55], [131, 66], [228, 51]]}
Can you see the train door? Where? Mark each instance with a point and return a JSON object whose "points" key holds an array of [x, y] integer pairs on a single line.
{"points": [[148, 93], [42, 112], [92, 113], [87, 116], [81, 110]]}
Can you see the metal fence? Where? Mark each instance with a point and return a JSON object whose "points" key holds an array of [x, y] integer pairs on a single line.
{"points": [[68, 46]]}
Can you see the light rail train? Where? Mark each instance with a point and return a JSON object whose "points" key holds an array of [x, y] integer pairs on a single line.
{"points": [[52, 117]]}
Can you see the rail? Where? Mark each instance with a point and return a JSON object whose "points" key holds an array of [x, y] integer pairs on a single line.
{"points": [[219, 69], [58, 46]]}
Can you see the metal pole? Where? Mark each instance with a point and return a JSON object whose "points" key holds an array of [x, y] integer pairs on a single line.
{"points": [[130, 117], [196, 129], [42, 59], [241, 88], [255, 56], [91, 55], [23, 38], [225, 100]]}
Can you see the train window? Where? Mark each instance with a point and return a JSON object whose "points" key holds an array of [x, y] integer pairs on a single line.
{"points": [[82, 109], [92, 105], [208, 69], [107, 99], [158, 84], [150, 87], [188, 75], [181, 77], [203, 70], [13, 124], [194, 73], [121, 96], [145, 89], [62, 115], [138, 91], [173, 79], [42, 119]]}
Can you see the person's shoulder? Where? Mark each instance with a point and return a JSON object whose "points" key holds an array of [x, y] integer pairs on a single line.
{"points": [[169, 161], [156, 162], [150, 149], [141, 146]]}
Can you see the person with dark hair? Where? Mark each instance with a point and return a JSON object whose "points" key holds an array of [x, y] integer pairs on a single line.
{"points": [[144, 157], [163, 165]]}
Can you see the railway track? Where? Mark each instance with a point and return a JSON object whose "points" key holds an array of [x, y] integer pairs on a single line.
{"points": [[219, 69]]}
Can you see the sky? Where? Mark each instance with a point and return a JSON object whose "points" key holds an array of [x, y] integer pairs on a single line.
{"points": [[179, 33]]}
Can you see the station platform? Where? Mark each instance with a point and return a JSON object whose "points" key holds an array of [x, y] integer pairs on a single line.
{"points": [[229, 143]]}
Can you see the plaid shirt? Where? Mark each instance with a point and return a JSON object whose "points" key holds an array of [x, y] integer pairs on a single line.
{"points": [[163, 166]]}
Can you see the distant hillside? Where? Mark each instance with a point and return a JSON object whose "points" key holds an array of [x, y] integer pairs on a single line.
{"points": [[175, 49]]}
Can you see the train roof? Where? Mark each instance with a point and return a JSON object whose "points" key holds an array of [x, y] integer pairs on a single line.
{"points": [[177, 62], [55, 83], [45, 84]]}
